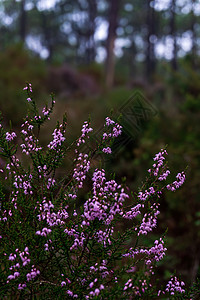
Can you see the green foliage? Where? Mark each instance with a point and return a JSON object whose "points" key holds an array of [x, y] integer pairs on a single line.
{"points": [[16, 67]]}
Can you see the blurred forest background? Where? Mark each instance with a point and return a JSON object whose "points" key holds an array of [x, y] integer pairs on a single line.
{"points": [[94, 56]]}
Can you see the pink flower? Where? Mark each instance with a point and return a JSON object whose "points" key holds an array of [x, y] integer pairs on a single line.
{"points": [[10, 136], [107, 150]]}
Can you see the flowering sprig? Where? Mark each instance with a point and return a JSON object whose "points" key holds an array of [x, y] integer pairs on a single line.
{"points": [[86, 129], [73, 246], [23, 260], [28, 89], [10, 136], [38, 119], [58, 138], [173, 286], [112, 131]]}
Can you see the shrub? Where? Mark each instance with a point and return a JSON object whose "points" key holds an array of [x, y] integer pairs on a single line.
{"points": [[52, 245]]}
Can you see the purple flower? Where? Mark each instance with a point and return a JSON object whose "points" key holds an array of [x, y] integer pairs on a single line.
{"points": [[58, 139], [10, 277], [109, 121], [10, 136], [21, 286], [91, 284], [107, 150], [81, 169], [12, 257], [33, 273], [174, 285], [45, 111], [177, 183], [28, 87], [86, 129], [115, 131]]}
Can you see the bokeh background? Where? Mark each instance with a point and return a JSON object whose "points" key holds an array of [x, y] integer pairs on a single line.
{"points": [[94, 56]]}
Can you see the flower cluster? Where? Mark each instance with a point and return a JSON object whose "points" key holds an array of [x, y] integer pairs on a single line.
{"points": [[29, 90], [114, 131], [107, 200], [96, 291], [28, 87], [155, 253], [137, 290], [133, 213], [149, 220], [58, 138], [81, 169], [52, 218], [86, 129], [77, 242], [46, 112], [50, 183], [33, 273], [159, 162], [78, 238], [177, 183], [10, 136], [143, 196], [21, 183], [149, 197], [31, 143], [173, 286], [17, 265]]}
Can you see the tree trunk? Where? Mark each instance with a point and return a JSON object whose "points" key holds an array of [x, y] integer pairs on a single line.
{"points": [[150, 50], [22, 21], [173, 34], [47, 34], [91, 50], [113, 23], [194, 37]]}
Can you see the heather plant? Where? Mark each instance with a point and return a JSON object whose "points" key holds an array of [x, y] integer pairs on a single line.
{"points": [[55, 245]]}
